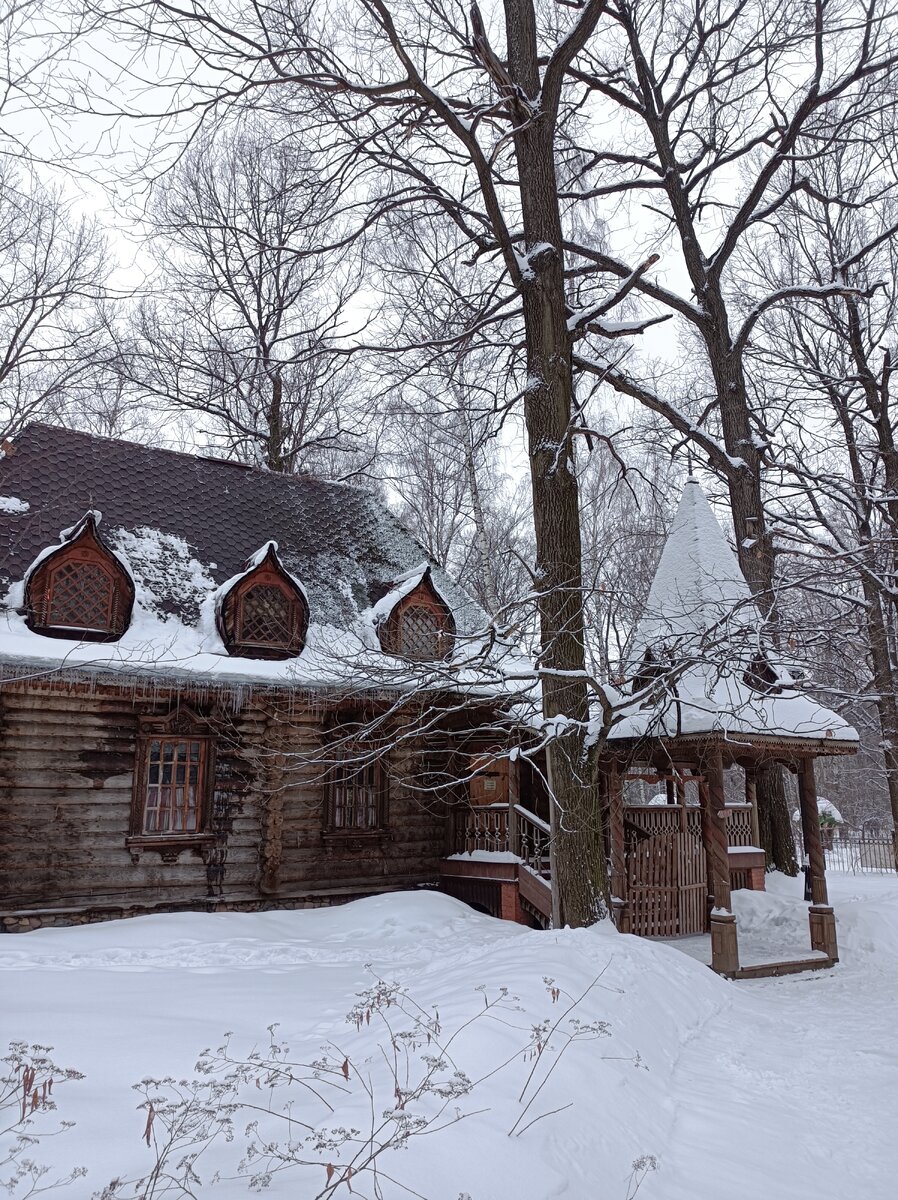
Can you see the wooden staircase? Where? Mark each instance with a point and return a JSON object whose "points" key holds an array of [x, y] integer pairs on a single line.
{"points": [[518, 889]]}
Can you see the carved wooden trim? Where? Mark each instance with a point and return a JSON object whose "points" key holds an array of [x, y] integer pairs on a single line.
{"points": [[234, 613], [45, 589], [422, 597]]}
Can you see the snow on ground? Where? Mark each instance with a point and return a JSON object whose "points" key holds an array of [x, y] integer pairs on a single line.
{"points": [[785, 1088]]}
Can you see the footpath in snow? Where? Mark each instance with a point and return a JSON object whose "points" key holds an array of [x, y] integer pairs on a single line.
{"points": [[786, 1089]]}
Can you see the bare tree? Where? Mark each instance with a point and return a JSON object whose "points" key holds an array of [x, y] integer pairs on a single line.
{"points": [[52, 281], [250, 309], [828, 391], [722, 111]]}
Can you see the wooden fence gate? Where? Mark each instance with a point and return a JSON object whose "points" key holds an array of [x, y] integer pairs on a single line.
{"points": [[666, 871]]}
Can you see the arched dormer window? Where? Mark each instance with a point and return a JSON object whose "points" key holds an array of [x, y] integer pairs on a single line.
{"points": [[80, 590], [265, 614], [420, 626]]}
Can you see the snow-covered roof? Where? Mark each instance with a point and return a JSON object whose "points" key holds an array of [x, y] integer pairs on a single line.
{"points": [[825, 808], [184, 526], [698, 585], [705, 634]]}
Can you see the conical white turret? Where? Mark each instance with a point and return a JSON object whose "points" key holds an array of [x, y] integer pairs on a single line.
{"points": [[701, 637], [698, 586]]}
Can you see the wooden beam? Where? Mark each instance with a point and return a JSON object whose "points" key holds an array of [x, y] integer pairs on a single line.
{"points": [[724, 940], [751, 797], [714, 834]]}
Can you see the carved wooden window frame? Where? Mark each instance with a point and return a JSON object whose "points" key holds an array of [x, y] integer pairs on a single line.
{"points": [[268, 573], [350, 758], [423, 596], [182, 727], [85, 549]]}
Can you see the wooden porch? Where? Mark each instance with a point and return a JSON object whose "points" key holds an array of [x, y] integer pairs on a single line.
{"points": [[673, 865]]}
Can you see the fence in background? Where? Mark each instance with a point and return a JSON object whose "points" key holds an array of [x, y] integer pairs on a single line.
{"points": [[860, 850]]}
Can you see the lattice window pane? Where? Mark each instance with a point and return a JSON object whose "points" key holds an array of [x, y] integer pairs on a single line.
{"points": [[355, 794], [173, 797], [421, 634], [81, 597], [267, 617]]}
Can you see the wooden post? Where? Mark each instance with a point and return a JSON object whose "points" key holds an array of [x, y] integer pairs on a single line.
{"points": [[724, 941], [514, 795], [810, 831], [681, 798], [619, 887], [821, 918], [751, 797]]}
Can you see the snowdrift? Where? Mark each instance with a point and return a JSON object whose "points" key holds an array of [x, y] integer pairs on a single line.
{"points": [[587, 1051]]}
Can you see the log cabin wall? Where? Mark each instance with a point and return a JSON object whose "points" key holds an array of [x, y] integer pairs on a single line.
{"points": [[67, 761], [66, 783], [313, 859]]}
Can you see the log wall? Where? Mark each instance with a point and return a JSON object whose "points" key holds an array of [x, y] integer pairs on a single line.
{"points": [[67, 757]]}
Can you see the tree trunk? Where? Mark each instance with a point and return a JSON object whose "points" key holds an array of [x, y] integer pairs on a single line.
{"points": [[578, 853], [774, 823], [754, 546]]}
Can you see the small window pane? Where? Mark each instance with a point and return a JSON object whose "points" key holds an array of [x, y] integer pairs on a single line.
{"points": [[173, 789], [420, 634]]}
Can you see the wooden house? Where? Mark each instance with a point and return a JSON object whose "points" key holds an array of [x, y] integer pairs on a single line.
{"points": [[221, 688]]}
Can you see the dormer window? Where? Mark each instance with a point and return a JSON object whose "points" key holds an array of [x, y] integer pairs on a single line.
{"points": [[420, 627], [649, 670], [80, 590], [265, 614], [761, 677]]}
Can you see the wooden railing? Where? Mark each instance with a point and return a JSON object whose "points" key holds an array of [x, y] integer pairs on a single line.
{"points": [[668, 818], [480, 827], [495, 827], [740, 825], [530, 840], [650, 819]]}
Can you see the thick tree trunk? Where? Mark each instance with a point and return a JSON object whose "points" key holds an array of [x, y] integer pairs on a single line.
{"points": [[744, 473], [275, 449], [774, 823], [578, 853]]}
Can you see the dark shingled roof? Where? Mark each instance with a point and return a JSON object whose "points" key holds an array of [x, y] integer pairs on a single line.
{"points": [[341, 542]]}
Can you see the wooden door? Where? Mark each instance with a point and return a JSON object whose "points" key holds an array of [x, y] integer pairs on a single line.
{"points": [[667, 884]]}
